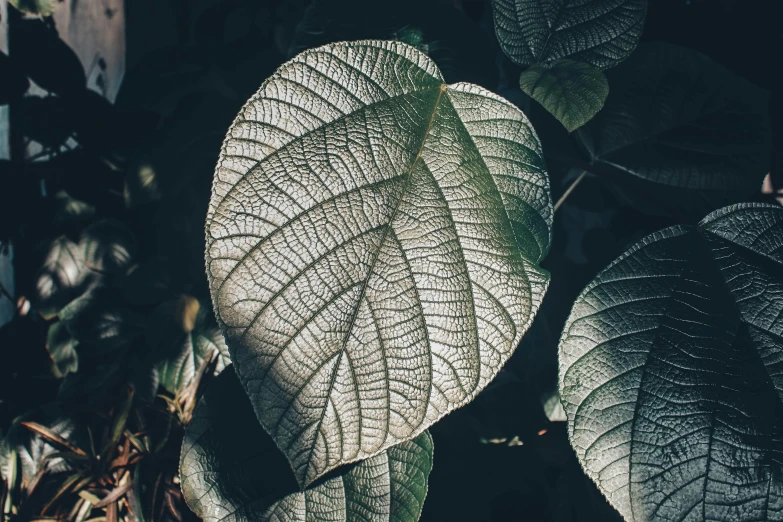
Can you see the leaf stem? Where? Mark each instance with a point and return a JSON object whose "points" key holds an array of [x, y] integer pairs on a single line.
{"points": [[569, 190]]}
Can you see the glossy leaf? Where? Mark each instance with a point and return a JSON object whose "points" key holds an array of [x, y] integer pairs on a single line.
{"points": [[573, 92], [232, 471], [372, 247], [670, 371], [679, 134], [600, 32]]}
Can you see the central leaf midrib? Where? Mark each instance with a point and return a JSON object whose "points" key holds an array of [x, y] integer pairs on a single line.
{"points": [[371, 268]]}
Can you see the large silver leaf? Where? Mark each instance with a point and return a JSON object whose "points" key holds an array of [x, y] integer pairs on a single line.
{"points": [[372, 247], [600, 32], [671, 372], [231, 471]]}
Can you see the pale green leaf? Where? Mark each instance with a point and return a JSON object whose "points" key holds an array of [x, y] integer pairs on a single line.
{"points": [[573, 92], [231, 471], [671, 372], [373, 242], [36, 7], [600, 32]]}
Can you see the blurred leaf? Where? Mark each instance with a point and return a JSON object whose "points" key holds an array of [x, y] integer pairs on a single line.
{"points": [[230, 466], [46, 59], [70, 210], [462, 50], [62, 349], [600, 32], [108, 246], [62, 277], [573, 92], [183, 342], [679, 134], [32, 449], [36, 7], [100, 321]]}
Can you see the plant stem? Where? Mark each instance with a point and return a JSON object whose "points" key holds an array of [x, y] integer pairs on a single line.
{"points": [[569, 190]]}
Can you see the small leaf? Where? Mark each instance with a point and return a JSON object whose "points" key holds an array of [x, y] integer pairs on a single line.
{"points": [[679, 135], [670, 371], [36, 7], [32, 449], [100, 321], [600, 32], [62, 350], [230, 468], [108, 246], [573, 92], [61, 278], [373, 241]]}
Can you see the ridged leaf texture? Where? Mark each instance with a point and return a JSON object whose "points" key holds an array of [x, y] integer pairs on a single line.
{"points": [[372, 247], [679, 134], [671, 372], [573, 92], [600, 32], [232, 472]]}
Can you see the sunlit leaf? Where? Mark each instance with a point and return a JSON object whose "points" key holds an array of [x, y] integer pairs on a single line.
{"points": [[373, 242], [670, 371], [573, 92], [232, 470], [62, 350], [108, 246]]}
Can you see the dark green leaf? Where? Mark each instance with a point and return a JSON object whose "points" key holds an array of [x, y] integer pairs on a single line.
{"points": [[679, 134], [573, 92], [670, 371], [108, 246], [600, 32], [62, 350], [231, 469]]}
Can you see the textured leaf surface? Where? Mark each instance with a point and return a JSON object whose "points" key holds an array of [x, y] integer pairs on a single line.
{"points": [[681, 132], [671, 372], [573, 92], [600, 32], [372, 247], [231, 471]]}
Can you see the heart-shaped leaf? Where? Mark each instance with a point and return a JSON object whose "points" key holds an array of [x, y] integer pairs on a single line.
{"points": [[600, 32], [679, 134], [372, 247], [232, 470], [670, 371], [573, 92]]}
